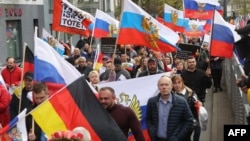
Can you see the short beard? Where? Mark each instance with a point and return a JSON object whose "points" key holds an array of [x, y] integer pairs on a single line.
{"points": [[10, 67]]}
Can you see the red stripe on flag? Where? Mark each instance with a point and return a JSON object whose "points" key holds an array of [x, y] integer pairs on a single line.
{"points": [[73, 117], [142, 39], [221, 49]]}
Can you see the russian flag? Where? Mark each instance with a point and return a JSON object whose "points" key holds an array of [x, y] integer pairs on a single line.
{"points": [[223, 37], [174, 19], [2, 83], [16, 129], [195, 28], [140, 28], [51, 68], [53, 42], [201, 10], [105, 25], [207, 26]]}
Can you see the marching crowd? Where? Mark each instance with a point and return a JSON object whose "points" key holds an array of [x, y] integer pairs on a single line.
{"points": [[171, 115]]}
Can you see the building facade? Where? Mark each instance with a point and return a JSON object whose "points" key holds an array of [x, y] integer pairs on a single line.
{"points": [[19, 17], [17, 21]]}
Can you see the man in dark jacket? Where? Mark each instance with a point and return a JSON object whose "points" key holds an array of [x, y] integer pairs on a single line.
{"points": [[168, 115], [25, 97], [152, 68], [40, 94], [83, 68], [198, 81], [121, 73]]}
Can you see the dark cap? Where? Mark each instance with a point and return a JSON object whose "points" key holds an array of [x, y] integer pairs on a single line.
{"points": [[152, 59], [117, 61], [29, 75], [105, 58]]}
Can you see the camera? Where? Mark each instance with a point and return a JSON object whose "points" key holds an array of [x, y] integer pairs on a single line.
{"points": [[243, 82]]}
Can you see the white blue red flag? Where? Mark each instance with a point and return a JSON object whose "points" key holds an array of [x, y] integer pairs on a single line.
{"points": [[51, 68], [105, 25], [140, 28], [2, 83], [223, 37], [200, 9], [16, 129], [135, 94], [174, 19], [53, 42]]}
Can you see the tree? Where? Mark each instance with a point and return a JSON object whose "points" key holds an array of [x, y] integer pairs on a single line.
{"points": [[241, 7]]}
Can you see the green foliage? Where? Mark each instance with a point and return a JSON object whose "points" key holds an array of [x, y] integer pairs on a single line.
{"points": [[241, 7]]}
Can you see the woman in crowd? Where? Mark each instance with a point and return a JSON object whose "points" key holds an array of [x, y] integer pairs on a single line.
{"points": [[180, 89]]}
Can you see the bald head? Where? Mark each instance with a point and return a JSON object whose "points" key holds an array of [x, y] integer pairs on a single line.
{"points": [[165, 86]]}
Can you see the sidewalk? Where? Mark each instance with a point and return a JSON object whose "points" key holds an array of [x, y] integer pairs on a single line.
{"points": [[220, 113]]}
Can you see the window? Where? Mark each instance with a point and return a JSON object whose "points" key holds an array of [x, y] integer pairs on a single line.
{"points": [[108, 6], [35, 24], [13, 39], [51, 6]]}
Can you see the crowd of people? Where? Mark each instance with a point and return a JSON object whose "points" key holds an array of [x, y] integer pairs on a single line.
{"points": [[171, 115]]}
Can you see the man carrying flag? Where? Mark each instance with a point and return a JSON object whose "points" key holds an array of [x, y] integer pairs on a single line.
{"points": [[18, 103], [75, 106], [40, 94]]}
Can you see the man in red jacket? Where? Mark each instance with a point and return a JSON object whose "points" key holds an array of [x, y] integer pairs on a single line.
{"points": [[4, 106], [11, 73]]}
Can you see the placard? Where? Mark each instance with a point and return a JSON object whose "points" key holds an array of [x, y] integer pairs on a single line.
{"points": [[108, 46]]}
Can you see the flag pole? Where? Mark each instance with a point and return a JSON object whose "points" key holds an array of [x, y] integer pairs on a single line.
{"points": [[122, 9], [211, 35], [92, 34], [58, 37], [20, 85], [33, 126]]}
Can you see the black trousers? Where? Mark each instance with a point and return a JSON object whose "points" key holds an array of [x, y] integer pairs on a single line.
{"points": [[161, 139], [216, 75]]}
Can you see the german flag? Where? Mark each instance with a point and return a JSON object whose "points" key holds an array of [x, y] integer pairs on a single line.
{"points": [[76, 106], [28, 66], [28, 61]]}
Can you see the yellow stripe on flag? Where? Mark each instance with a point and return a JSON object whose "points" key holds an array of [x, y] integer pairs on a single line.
{"points": [[46, 112], [98, 66], [248, 95]]}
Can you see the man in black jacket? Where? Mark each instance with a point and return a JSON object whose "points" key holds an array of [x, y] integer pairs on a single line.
{"points": [[152, 68], [24, 100], [198, 81], [40, 94], [168, 115]]}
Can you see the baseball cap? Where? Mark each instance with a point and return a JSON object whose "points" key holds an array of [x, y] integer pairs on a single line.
{"points": [[29, 75], [117, 61], [153, 59]]}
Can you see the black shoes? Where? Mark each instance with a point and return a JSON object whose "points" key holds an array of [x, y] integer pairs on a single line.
{"points": [[217, 90], [220, 89]]}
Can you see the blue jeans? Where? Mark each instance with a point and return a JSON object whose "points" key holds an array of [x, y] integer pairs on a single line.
{"points": [[197, 133]]}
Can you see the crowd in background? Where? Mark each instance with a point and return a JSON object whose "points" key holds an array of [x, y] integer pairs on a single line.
{"points": [[190, 78]]}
